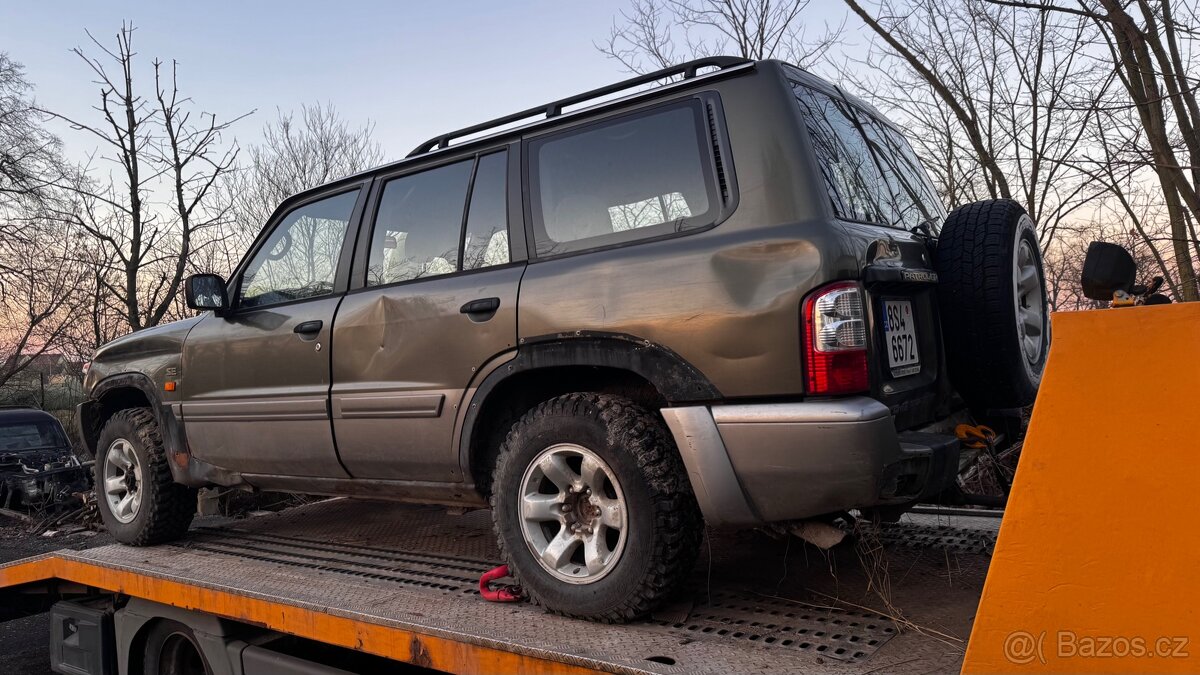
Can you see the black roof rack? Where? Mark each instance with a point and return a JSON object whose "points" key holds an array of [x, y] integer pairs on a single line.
{"points": [[554, 109]]}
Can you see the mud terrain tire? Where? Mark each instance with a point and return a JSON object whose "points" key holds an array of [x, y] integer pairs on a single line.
{"points": [[165, 508], [664, 526]]}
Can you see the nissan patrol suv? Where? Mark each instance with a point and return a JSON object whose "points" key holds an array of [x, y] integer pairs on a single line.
{"points": [[730, 298]]}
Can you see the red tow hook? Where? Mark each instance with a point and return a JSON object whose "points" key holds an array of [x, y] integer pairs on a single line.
{"points": [[500, 593]]}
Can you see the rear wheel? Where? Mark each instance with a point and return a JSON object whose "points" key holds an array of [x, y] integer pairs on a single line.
{"points": [[992, 296], [138, 500], [592, 508], [171, 649]]}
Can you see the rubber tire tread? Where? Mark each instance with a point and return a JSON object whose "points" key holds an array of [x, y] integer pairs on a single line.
{"points": [[678, 524], [975, 265], [168, 512]]}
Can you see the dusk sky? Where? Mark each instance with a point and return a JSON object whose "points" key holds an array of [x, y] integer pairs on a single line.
{"points": [[416, 69]]}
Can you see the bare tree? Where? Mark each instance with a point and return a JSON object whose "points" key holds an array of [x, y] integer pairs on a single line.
{"points": [[35, 308], [31, 165], [147, 248], [30, 159], [297, 152], [988, 94], [654, 34], [195, 165], [1149, 51]]}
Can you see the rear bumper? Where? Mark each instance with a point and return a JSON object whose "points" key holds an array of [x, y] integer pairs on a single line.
{"points": [[771, 462]]}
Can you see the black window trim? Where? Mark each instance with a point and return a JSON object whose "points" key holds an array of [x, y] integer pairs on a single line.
{"points": [[342, 270], [722, 207], [362, 253]]}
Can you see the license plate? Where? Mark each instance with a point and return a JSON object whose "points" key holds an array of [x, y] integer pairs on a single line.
{"points": [[900, 338]]}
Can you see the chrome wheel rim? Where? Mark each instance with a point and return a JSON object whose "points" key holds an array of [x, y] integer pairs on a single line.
{"points": [[122, 481], [573, 514], [1031, 303]]}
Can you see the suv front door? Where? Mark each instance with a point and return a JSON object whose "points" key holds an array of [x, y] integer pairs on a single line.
{"points": [[438, 301], [255, 380]]}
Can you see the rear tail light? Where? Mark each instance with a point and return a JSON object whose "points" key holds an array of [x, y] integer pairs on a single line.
{"points": [[835, 341]]}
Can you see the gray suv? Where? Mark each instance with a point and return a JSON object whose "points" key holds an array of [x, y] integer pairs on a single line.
{"points": [[731, 299]]}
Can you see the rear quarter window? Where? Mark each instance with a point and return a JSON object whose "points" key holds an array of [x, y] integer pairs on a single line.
{"points": [[856, 187], [869, 169], [636, 177]]}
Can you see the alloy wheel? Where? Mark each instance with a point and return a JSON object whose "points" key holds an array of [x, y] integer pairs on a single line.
{"points": [[573, 513]]}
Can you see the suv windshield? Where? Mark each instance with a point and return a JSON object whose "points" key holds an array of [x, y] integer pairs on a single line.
{"points": [[30, 436], [870, 171]]}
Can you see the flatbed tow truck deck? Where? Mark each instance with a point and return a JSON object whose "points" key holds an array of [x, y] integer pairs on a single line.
{"points": [[401, 582]]}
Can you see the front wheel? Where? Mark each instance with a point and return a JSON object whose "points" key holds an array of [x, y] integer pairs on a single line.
{"points": [[592, 508], [139, 502]]}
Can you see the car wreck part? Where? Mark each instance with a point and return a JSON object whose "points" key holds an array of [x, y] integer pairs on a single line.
{"points": [[1109, 274], [983, 438], [37, 480]]}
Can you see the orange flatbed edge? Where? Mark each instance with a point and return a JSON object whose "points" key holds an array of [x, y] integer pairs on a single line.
{"points": [[400, 582], [394, 643]]}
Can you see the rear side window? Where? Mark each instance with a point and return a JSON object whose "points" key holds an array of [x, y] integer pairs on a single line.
{"points": [[856, 187], [486, 240], [418, 224], [418, 230], [617, 181]]}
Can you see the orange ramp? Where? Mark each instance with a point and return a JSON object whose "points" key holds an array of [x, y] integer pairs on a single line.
{"points": [[1097, 566]]}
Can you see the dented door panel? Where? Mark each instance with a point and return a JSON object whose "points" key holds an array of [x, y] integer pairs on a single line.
{"points": [[403, 355]]}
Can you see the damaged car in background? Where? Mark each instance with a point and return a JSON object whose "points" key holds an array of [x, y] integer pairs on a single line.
{"points": [[38, 470]]}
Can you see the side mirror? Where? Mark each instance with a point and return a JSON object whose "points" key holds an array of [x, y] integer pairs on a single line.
{"points": [[205, 292], [1108, 268]]}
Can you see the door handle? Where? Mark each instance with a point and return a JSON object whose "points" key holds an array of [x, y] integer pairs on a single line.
{"points": [[481, 306], [308, 327]]}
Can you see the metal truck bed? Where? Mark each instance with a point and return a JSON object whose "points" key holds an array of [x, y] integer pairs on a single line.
{"points": [[401, 582]]}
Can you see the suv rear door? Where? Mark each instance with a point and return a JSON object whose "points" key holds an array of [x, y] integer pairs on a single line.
{"points": [[437, 272], [255, 381]]}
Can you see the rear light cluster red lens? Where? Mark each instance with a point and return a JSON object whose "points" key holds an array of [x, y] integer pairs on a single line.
{"points": [[835, 341]]}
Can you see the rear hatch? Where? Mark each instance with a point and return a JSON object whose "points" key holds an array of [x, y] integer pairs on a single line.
{"points": [[905, 352]]}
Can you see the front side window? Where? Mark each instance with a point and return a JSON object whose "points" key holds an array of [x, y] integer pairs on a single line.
{"points": [[418, 224], [621, 180], [856, 187], [300, 258]]}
